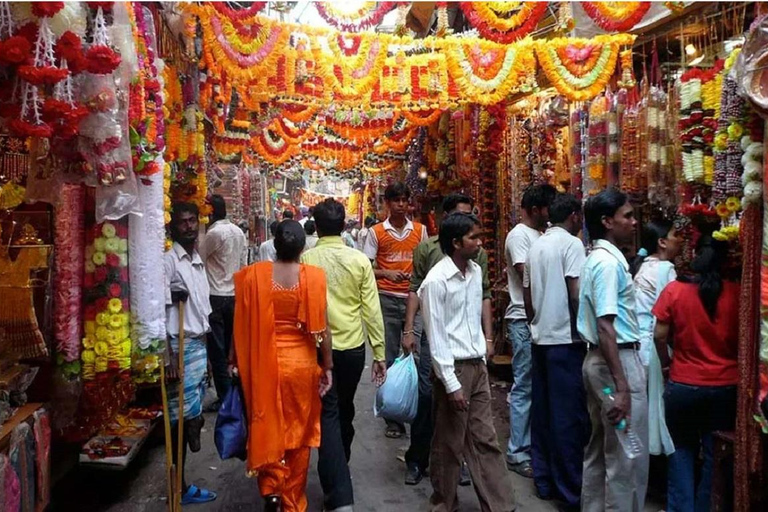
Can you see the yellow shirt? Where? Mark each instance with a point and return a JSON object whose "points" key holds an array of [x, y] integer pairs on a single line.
{"points": [[353, 299]]}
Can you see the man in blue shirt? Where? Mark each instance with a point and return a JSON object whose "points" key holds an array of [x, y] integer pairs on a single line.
{"points": [[608, 323]]}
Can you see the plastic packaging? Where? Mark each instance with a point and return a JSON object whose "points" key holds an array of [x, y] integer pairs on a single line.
{"points": [[628, 438], [398, 398]]}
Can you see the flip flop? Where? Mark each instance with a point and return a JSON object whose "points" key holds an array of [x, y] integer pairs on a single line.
{"points": [[393, 433], [195, 495]]}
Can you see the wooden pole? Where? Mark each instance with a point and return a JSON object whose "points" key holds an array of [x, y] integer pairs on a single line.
{"points": [[169, 469]]}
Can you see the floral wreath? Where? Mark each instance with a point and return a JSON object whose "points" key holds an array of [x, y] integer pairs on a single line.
{"points": [[616, 16], [494, 26], [368, 15]]}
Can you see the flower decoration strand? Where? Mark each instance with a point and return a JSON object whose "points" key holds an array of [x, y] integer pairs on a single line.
{"points": [[492, 25], [616, 16], [370, 14]]}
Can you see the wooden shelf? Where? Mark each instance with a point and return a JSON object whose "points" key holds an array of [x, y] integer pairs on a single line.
{"points": [[22, 414]]}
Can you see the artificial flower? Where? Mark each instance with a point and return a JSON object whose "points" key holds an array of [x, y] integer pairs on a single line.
{"points": [[42, 75], [368, 15], [101, 59], [69, 47], [99, 258], [113, 260], [115, 290], [115, 305], [46, 9], [15, 50], [504, 28]]}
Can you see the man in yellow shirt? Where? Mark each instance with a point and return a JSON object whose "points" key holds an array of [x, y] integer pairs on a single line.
{"points": [[353, 302]]}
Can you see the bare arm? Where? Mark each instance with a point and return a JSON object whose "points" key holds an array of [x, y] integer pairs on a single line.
{"points": [[610, 351], [661, 339], [573, 295], [528, 301], [487, 320], [520, 269], [411, 308]]}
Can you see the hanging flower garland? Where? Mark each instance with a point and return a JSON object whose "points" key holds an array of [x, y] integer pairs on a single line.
{"points": [[494, 26], [594, 80], [352, 75], [370, 14], [616, 16], [422, 118], [239, 14], [272, 149], [518, 65]]}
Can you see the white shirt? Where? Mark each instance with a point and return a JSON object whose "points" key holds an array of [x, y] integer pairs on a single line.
{"points": [[224, 252], [552, 258], [651, 279], [451, 306], [186, 273], [516, 247], [362, 237], [267, 251], [311, 242], [371, 247]]}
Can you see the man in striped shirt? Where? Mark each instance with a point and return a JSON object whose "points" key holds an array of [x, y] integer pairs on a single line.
{"points": [[451, 303]]}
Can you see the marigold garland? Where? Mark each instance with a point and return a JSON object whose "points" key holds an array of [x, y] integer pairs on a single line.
{"points": [[616, 16], [589, 85], [424, 118], [368, 15], [495, 27]]}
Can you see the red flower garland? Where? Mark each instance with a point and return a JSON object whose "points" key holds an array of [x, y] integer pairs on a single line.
{"points": [[372, 19], [26, 129], [46, 9], [529, 25], [29, 32], [101, 60], [43, 75], [105, 6], [69, 46], [15, 50], [238, 14], [615, 25]]}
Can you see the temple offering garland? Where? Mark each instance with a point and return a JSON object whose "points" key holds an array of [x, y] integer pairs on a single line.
{"points": [[616, 16], [368, 15], [497, 22]]}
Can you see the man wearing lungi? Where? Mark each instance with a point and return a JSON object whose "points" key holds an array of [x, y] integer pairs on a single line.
{"points": [[186, 281]]}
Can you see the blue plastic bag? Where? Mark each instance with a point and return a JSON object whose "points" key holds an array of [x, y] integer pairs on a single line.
{"points": [[398, 398], [231, 433]]}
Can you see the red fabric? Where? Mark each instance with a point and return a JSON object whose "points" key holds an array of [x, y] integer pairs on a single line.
{"points": [[705, 351]]}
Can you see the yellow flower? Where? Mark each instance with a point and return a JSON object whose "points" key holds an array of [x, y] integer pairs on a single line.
{"points": [[101, 348], [125, 348], [733, 204], [102, 333], [112, 245], [102, 318], [108, 230], [114, 305], [123, 245], [88, 356], [116, 321], [90, 268], [90, 327], [113, 338], [99, 258], [123, 260], [88, 343], [722, 210], [99, 244], [124, 363], [101, 364]]}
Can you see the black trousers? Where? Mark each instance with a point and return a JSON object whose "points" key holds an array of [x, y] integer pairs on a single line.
{"points": [[222, 318], [421, 428], [337, 430]]}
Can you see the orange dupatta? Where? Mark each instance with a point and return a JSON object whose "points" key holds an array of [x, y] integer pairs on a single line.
{"points": [[256, 351]]}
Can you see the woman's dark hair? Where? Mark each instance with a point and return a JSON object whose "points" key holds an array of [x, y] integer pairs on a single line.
{"points": [[452, 201], [710, 256], [454, 227], [562, 207], [396, 190], [289, 240], [649, 240], [329, 217], [604, 204], [309, 227]]}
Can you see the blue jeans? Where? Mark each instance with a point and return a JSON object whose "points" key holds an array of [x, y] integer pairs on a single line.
{"points": [[693, 413], [519, 446]]}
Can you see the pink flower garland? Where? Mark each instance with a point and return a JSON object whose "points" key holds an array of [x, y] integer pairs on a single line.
{"points": [[371, 19], [68, 277]]}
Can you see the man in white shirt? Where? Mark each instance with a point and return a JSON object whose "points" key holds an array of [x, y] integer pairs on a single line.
{"points": [[559, 419], [186, 282], [451, 300], [223, 251], [311, 232], [267, 250], [535, 204]]}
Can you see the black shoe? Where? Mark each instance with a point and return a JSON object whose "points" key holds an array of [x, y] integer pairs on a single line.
{"points": [[213, 406], [413, 474], [273, 503], [464, 478]]}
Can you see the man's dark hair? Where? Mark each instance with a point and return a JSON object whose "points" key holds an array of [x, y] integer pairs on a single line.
{"points": [[370, 221], [176, 210], [563, 206], [396, 190], [218, 206], [287, 214], [273, 227], [540, 196], [311, 210], [329, 217], [452, 201], [309, 227], [604, 204], [455, 227], [289, 240]]}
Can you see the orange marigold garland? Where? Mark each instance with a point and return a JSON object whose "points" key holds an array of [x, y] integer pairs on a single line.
{"points": [[368, 15], [616, 16], [495, 26]]}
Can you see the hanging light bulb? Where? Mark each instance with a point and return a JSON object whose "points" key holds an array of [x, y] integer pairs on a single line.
{"points": [[690, 50]]}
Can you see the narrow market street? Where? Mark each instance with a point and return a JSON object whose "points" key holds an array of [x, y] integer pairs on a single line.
{"points": [[377, 472]]}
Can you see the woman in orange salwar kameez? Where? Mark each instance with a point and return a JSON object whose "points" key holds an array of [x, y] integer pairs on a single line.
{"points": [[280, 313]]}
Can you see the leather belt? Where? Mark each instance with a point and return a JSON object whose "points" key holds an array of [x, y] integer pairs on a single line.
{"points": [[635, 345]]}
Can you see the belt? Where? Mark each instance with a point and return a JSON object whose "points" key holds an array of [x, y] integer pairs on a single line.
{"points": [[635, 345], [474, 360]]}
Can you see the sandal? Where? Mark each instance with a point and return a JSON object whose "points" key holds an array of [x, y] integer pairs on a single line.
{"points": [[523, 469], [393, 432], [195, 495]]}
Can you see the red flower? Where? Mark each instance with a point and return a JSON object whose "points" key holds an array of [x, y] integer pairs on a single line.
{"points": [[124, 274], [88, 281], [15, 50], [101, 59], [121, 230], [102, 303], [46, 9], [76, 65], [105, 6], [113, 260], [115, 290], [100, 274], [152, 85], [126, 305], [44, 75], [26, 129], [90, 312], [10, 110], [69, 46], [28, 32]]}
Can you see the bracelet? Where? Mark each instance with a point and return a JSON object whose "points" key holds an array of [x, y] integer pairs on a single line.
{"points": [[489, 340], [407, 332]]}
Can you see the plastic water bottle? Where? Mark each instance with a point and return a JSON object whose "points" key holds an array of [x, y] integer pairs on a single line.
{"points": [[628, 438]]}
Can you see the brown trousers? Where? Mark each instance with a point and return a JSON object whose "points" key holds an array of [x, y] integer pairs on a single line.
{"points": [[468, 435]]}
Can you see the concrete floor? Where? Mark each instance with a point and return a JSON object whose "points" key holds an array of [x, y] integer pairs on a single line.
{"points": [[376, 466]]}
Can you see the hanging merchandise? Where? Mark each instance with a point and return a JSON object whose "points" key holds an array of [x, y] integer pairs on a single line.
{"points": [[596, 177], [367, 15], [616, 16], [579, 127], [580, 68], [497, 21]]}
